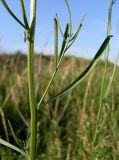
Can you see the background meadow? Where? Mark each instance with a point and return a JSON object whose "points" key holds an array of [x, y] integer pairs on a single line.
{"points": [[84, 123]]}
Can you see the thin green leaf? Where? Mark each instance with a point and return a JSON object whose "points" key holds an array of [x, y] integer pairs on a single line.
{"points": [[12, 14], [111, 79], [76, 34], [56, 41], [18, 142], [5, 143], [70, 18], [74, 37], [59, 26], [60, 58], [24, 13], [78, 30], [72, 40], [64, 42], [86, 72]]}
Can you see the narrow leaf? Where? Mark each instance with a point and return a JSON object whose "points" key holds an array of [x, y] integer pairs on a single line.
{"points": [[79, 28], [24, 13], [55, 41], [12, 14], [59, 26], [72, 40], [86, 72], [74, 37], [64, 42], [5, 143], [70, 18], [14, 136], [111, 79]]}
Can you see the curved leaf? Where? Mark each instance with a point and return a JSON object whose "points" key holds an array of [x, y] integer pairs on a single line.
{"points": [[111, 79], [18, 142], [5, 143], [55, 41], [64, 42], [12, 14], [70, 17], [24, 13], [86, 72], [72, 40], [59, 26]]}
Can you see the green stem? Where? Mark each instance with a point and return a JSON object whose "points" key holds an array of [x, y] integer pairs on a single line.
{"points": [[31, 84], [46, 90], [52, 78], [62, 52], [32, 99], [110, 5]]}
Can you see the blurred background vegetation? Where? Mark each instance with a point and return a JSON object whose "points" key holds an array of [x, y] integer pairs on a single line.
{"points": [[66, 125]]}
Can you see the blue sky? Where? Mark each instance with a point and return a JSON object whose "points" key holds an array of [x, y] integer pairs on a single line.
{"points": [[90, 38]]}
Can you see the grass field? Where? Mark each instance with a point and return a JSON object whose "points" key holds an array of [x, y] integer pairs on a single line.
{"points": [[66, 126]]}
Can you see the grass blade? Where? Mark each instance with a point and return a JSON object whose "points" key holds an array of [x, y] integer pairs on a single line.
{"points": [[24, 13], [86, 72], [55, 41], [60, 29], [70, 17], [5, 143], [14, 136], [72, 40], [111, 79], [64, 42]]}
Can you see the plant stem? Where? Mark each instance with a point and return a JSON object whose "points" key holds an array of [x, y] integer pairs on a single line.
{"points": [[31, 80], [46, 90], [110, 5], [32, 100]]}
